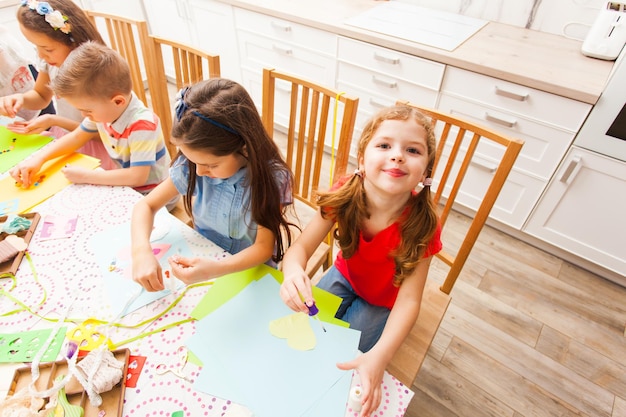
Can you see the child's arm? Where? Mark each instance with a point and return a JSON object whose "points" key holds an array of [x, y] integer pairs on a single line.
{"points": [[146, 268], [296, 286], [132, 177], [191, 270], [371, 365], [42, 123], [26, 171], [36, 99]]}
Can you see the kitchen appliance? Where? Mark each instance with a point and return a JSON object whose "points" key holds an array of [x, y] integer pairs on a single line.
{"points": [[604, 131], [608, 32]]}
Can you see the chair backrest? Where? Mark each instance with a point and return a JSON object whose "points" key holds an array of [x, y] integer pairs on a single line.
{"points": [[129, 37], [311, 123], [457, 143], [315, 112], [189, 66]]}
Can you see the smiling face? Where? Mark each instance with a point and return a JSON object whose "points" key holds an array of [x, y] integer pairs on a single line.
{"points": [[395, 160], [48, 49], [209, 165]]}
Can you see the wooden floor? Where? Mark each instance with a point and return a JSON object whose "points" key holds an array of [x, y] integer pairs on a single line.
{"points": [[526, 334]]}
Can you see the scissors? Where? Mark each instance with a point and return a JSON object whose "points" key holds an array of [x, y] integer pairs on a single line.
{"points": [[163, 368]]}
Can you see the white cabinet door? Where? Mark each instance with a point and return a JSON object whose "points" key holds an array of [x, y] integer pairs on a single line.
{"points": [[213, 31], [583, 209], [127, 8], [170, 19]]}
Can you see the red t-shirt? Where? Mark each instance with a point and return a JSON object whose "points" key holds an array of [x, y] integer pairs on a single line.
{"points": [[371, 270]]}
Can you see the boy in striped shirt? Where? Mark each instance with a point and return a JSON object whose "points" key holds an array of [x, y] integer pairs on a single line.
{"points": [[96, 80]]}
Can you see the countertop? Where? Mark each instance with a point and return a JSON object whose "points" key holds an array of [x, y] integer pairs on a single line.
{"points": [[535, 59]]}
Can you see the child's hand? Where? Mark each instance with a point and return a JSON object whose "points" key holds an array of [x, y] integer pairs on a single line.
{"points": [[147, 271], [191, 270], [76, 175], [25, 173], [36, 125], [295, 288], [371, 371], [10, 105]]}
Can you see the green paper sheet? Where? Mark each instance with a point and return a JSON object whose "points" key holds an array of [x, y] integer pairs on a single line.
{"points": [[23, 346], [14, 147]]}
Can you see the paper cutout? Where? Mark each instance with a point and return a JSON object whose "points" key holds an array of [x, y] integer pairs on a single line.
{"points": [[135, 365], [57, 227], [239, 355], [14, 147], [22, 347], [53, 182], [116, 264], [296, 328], [89, 335]]}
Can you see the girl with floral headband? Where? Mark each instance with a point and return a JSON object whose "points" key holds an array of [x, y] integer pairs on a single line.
{"points": [[234, 183], [55, 28], [387, 229]]}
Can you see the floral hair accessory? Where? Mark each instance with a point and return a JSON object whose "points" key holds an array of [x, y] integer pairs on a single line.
{"points": [[55, 18], [427, 182]]}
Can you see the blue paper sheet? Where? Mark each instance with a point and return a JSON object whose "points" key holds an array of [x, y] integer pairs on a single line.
{"points": [[112, 247], [244, 363]]}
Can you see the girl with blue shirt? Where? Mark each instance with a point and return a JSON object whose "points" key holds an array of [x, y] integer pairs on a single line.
{"points": [[234, 182]]}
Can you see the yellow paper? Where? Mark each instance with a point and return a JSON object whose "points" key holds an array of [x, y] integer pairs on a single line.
{"points": [[296, 328], [20, 200]]}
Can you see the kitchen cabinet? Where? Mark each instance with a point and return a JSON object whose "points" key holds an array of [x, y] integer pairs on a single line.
{"points": [[578, 211], [380, 76], [546, 122], [169, 19], [214, 32], [269, 42], [127, 8]]}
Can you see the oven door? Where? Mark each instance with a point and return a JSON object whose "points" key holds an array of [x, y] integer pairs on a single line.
{"points": [[604, 131]]}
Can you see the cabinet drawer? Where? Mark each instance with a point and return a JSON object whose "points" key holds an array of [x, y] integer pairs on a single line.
{"points": [[258, 52], [385, 86], [548, 108], [286, 31], [392, 63], [544, 146]]}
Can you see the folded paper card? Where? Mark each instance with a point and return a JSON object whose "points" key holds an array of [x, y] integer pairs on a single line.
{"points": [[14, 147]]}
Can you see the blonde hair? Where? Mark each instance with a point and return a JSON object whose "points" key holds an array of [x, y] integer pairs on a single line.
{"points": [[93, 70], [347, 205]]}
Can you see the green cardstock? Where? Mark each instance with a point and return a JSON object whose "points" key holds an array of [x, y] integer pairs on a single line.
{"points": [[22, 347], [15, 147]]}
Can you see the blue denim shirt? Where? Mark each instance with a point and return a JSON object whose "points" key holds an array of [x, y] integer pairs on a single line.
{"points": [[221, 207]]}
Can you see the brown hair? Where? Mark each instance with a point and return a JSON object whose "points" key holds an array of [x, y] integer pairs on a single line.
{"points": [[93, 70], [81, 27], [348, 205], [235, 127]]}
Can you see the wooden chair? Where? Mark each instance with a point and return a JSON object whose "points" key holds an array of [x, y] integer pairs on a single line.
{"points": [[458, 140], [309, 132], [189, 66], [130, 38]]}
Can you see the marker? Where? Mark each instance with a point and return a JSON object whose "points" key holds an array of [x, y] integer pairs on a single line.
{"points": [[313, 310]]}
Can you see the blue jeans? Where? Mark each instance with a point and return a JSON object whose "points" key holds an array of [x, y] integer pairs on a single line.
{"points": [[361, 315]]}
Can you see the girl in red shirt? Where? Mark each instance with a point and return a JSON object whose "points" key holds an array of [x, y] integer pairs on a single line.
{"points": [[387, 228]]}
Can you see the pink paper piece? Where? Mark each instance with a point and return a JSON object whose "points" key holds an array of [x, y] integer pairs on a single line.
{"points": [[57, 227]]}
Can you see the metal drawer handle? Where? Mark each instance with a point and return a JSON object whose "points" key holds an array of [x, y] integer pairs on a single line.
{"points": [[511, 94], [572, 169], [503, 122], [285, 51], [385, 83], [489, 167], [379, 104], [385, 58], [281, 26]]}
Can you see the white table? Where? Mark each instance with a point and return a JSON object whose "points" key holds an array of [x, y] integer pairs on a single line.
{"points": [[67, 269]]}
